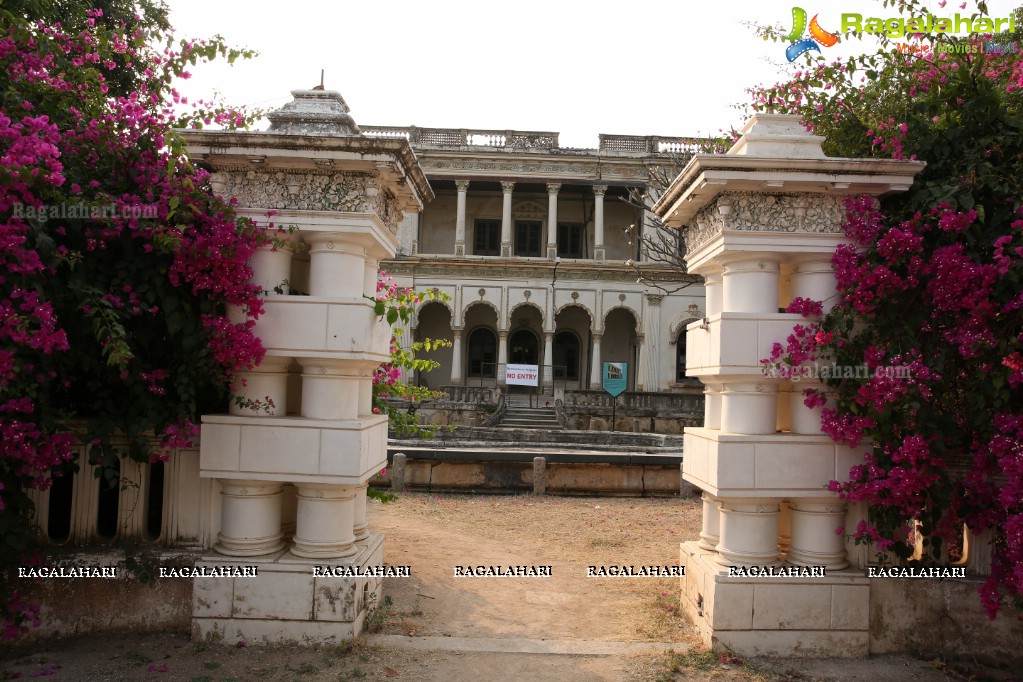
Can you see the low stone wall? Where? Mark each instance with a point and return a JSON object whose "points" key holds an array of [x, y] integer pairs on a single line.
{"points": [[941, 618], [663, 413], [78, 606], [564, 473]]}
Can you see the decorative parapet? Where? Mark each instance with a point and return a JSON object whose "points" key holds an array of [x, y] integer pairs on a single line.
{"points": [[776, 178], [466, 137], [753, 212], [314, 158]]}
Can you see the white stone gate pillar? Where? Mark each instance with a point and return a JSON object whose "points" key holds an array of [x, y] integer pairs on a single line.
{"points": [[764, 488], [340, 196]]}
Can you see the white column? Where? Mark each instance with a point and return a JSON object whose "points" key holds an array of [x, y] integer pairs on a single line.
{"points": [[712, 287], [711, 404], [711, 531], [463, 187], [749, 532], [649, 353], [596, 370], [268, 380], [814, 541], [814, 278], [336, 266], [333, 389], [506, 221], [250, 523], [598, 221], [325, 527], [548, 359], [456, 356], [552, 219], [502, 355], [360, 528], [750, 285], [271, 266], [749, 408]]}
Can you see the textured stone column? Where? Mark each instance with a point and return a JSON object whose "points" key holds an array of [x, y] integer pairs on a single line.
{"points": [[814, 540], [598, 221], [325, 527], [398, 472], [539, 476], [552, 219], [456, 356], [250, 518], [749, 532], [506, 219], [596, 368], [649, 370], [463, 187], [548, 359], [502, 355]]}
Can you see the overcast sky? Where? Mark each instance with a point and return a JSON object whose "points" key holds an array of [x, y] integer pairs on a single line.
{"points": [[643, 67]]}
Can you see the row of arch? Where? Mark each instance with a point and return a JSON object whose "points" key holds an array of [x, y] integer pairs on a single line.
{"points": [[534, 306], [574, 345]]}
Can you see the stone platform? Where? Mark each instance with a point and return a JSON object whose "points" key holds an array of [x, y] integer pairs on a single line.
{"points": [[285, 601], [826, 616]]}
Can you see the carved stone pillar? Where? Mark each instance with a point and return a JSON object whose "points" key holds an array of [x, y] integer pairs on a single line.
{"points": [[598, 221], [250, 518], [456, 356], [596, 368], [552, 219], [325, 527], [548, 359], [749, 532], [502, 355], [463, 187], [814, 541], [506, 219]]}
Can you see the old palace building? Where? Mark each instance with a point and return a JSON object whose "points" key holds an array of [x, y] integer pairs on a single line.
{"points": [[537, 250]]}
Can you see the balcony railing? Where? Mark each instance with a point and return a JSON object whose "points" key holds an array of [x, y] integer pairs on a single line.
{"points": [[467, 137], [650, 144]]}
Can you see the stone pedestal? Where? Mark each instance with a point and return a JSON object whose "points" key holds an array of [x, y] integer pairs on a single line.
{"points": [[341, 197], [770, 573]]}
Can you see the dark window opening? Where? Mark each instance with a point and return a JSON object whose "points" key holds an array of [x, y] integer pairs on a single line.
{"points": [[482, 354], [154, 505], [566, 356], [527, 238], [487, 237], [109, 496], [524, 348], [58, 522], [680, 362], [571, 238]]}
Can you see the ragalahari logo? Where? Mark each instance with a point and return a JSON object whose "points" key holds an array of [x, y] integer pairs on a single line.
{"points": [[801, 45]]}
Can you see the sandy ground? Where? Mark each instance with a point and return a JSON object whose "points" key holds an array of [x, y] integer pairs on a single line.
{"points": [[434, 626]]}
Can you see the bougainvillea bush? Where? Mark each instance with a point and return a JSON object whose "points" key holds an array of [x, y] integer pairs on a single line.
{"points": [[118, 262], [931, 288]]}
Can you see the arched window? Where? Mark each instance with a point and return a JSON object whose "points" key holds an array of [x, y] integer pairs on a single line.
{"points": [[523, 348], [566, 356], [482, 353]]}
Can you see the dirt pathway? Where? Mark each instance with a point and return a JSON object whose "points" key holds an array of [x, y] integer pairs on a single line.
{"points": [[568, 534]]}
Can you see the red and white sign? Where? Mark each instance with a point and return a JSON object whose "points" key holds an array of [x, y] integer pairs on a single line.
{"points": [[522, 375]]}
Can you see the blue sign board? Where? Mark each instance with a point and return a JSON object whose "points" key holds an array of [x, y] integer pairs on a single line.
{"points": [[616, 377]]}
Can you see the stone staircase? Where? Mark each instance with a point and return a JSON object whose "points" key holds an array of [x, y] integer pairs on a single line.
{"points": [[518, 417]]}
